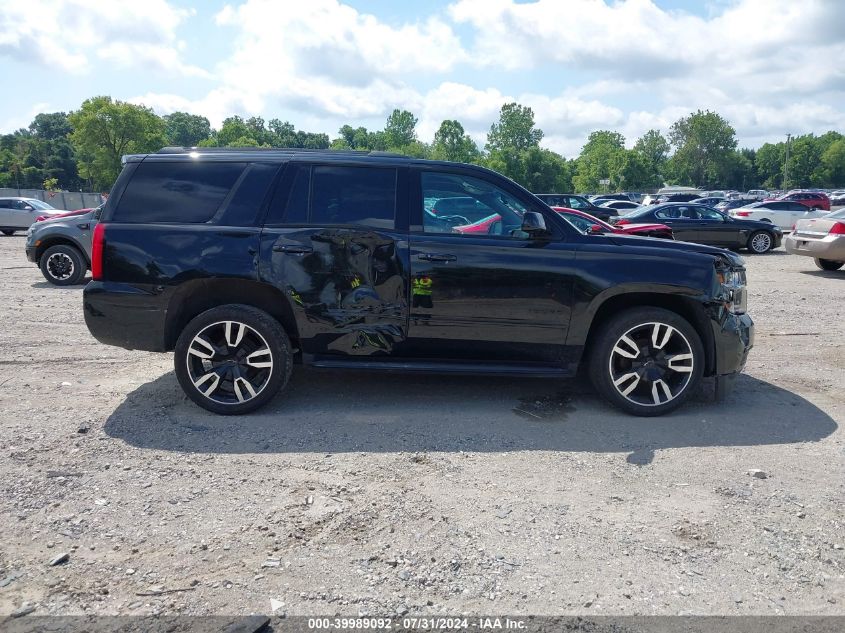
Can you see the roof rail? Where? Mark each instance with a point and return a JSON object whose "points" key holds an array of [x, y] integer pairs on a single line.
{"points": [[303, 150]]}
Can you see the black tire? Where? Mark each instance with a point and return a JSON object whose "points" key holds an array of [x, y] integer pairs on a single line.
{"points": [[605, 362], [760, 242], [8, 231], [828, 264], [62, 265], [232, 368]]}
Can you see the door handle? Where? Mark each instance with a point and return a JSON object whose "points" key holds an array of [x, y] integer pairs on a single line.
{"points": [[294, 249], [437, 257]]}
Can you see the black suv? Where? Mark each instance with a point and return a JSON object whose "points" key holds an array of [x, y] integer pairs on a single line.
{"points": [[245, 262]]}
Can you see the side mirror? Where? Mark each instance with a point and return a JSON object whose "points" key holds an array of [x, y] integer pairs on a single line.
{"points": [[596, 229], [533, 223], [28, 208]]}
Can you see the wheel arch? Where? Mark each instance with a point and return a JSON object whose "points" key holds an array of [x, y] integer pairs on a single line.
{"points": [[688, 308], [195, 297], [61, 240]]}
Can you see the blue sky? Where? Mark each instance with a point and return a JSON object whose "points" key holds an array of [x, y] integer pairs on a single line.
{"points": [[626, 65]]}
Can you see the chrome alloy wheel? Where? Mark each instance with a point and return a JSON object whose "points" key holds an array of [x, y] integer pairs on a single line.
{"points": [[60, 266], [651, 364], [761, 243], [229, 362]]}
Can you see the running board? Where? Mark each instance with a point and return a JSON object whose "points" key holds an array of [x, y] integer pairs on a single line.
{"points": [[491, 369]]}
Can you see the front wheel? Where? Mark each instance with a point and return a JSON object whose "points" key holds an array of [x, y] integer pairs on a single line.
{"points": [[8, 231], [232, 359], [828, 264], [646, 361], [760, 242], [62, 265]]}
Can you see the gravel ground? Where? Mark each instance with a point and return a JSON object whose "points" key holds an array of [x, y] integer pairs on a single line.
{"points": [[385, 494]]}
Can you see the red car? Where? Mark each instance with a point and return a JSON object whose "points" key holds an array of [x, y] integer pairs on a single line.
{"points": [[41, 218], [580, 220], [812, 199], [586, 222]]}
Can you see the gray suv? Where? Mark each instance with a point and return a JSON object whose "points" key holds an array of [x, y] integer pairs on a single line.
{"points": [[61, 248]]}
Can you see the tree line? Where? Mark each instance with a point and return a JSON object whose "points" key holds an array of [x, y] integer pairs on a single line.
{"points": [[81, 150]]}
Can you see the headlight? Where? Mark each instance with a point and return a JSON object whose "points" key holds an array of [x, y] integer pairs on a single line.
{"points": [[734, 292]]}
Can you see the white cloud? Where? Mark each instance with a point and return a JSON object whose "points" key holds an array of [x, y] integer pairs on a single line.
{"points": [[769, 66], [70, 35]]}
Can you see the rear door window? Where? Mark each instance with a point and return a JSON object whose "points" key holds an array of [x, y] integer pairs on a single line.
{"points": [[177, 192], [353, 195]]}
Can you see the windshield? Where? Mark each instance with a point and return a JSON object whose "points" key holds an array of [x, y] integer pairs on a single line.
{"points": [[41, 206]]}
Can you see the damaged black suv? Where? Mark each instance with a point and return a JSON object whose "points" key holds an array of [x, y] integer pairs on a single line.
{"points": [[246, 262]]}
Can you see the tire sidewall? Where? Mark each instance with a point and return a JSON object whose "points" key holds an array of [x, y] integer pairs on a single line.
{"points": [[828, 264], [79, 267], [614, 328], [262, 323]]}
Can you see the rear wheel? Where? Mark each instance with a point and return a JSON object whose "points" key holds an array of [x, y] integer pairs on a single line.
{"points": [[828, 264], [760, 242], [62, 265], [646, 361], [232, 359]]}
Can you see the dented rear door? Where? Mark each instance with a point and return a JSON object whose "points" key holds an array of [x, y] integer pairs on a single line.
{"points": [[335, 244]]}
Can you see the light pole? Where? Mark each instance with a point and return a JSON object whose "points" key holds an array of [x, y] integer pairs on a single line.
{"points": [[786, 165]]}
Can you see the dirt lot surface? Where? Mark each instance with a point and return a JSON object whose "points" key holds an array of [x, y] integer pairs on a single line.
{"points": [[385, 494]]}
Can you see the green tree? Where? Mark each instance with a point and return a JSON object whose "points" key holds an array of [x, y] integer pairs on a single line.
{"points": [[654, 148], [630, 170], [452, 143], [186, 130], [400, 129], [833, 164], [704, 143], [537, 169], [105, 130], [50, 126], [603, 152], [233, 132], [804, 161], [769, 161], [515, 129]]}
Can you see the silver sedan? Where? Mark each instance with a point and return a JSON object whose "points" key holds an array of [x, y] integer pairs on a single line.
{"points": [[823, 239]]}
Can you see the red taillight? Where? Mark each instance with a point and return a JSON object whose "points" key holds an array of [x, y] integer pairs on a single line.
{"points": [[622, 222], [793, 228], [98, 243], [743, 214], [837, 229]]}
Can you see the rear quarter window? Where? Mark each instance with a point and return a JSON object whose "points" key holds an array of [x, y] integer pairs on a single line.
{"points": [[178, 192]]}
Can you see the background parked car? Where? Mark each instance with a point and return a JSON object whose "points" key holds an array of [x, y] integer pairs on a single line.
{"points": [[703, 225], [781, 213], [837, 198], [757, 194], [61, 247], [809, 198], [678, 197], [823, 239], [572, 201], [709, 201], [17, 214], [620, 205], [726, 205], [586, 222]]}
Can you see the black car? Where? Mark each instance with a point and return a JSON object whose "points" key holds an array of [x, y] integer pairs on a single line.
{"points": [[246, 262], [573, 201], [704, 225]]}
